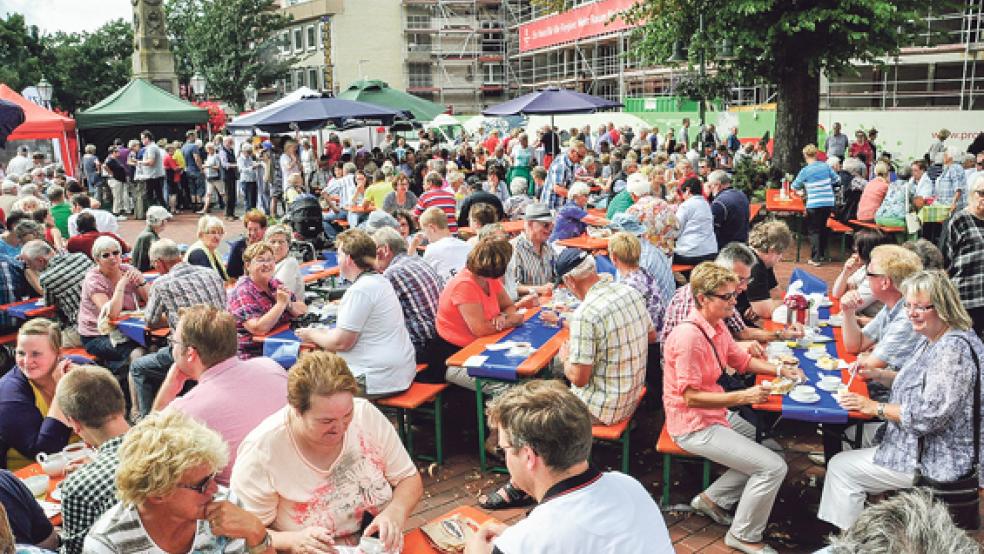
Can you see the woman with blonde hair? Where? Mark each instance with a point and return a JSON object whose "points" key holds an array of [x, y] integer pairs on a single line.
{"points": [[203, 251], [340, 466], [169, 500]]}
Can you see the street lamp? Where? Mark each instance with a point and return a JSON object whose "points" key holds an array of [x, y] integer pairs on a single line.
{"points": [[726, 52], [45, 90], [198, 85], [250, 93]]}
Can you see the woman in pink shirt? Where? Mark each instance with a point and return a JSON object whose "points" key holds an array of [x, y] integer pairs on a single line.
{"points": [[695, 354], [874, 193]]}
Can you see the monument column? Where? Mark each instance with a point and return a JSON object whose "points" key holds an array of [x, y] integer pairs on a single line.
{"points": [[152, 59]]}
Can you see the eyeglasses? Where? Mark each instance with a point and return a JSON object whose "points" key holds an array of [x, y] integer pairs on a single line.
{"points": [[175, 342], [727, 297], [263, 260], [500, 451], [917, 309], [107, 255], [201, 486], [870, 274]]}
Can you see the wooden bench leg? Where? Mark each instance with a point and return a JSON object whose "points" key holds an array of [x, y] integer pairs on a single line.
{"points": [[407, 421], [625, 450], [707, 474]]}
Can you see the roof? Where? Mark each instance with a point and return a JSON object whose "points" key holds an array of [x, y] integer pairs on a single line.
{"points": [[40, 123], [373, 91], [140, 103]]}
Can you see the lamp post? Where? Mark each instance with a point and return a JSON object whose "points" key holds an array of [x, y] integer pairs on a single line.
{"points": [[726, 52], [45, 90], [250, 94], [198, 84]]}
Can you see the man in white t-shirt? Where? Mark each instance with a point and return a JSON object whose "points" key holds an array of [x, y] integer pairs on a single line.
{"points": [[545, 435], [445, 253], [370, 334], [20, 164], [105, 221]]}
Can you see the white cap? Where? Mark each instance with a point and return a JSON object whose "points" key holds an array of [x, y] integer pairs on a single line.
{"points": [[157, 214]]}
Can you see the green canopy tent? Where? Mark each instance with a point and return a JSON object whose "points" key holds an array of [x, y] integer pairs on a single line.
{"points": [[379, 93], [137, 106]]}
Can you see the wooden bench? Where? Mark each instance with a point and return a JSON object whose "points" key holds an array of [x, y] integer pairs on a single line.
{"points": [[670, 449], [618, 432], [413, 400], [844, 230]]}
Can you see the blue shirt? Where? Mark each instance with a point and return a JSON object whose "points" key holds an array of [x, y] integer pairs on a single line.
{"points": [[27, 519], [653, 260], [188, 151], [953, 179], [730, 209], [818, 179], [561, 173], [568, 223]]}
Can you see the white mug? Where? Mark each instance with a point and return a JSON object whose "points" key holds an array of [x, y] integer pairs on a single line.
{"points": [[53, 464]]}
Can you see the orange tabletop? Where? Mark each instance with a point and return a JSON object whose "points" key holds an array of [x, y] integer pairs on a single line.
{"points": [[793, 204], [753, 210], [35, 469], [679, 268], [510, 227], [530, 366], [361, 208], [600, 212], [319, 275], [415, 542], [43, 311], [584, 242]]}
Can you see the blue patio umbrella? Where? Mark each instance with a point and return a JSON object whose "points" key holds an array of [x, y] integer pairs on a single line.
{"points": [[11, 117], [308, 114], [551, 101]]}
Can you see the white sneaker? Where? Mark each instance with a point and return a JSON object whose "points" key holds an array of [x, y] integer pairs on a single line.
{"points": [[699, 505], [121, 217], [733, 542]]}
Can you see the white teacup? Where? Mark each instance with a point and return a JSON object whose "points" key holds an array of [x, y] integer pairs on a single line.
{"points": [[53, 464], [830, 380], [804, 390], [38, 485], [371, 545]]}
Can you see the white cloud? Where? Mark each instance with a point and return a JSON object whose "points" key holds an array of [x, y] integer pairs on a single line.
{"points": [[68, 15]]}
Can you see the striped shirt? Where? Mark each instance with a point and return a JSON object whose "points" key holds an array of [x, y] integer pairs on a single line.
{"points": [[818, 179], [120, 531], [442, 199], [561, 172], [653, 260], [62, 284], [953, 179], [418, 287], [183, 286], [963, 251], [609, 331], [530, 268]]}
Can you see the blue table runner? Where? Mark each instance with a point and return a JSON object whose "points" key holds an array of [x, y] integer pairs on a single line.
{"points": [[499, 364]]}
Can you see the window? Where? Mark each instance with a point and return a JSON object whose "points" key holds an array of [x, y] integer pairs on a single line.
{"points": [[298, 79], [313, 81], [285, 42], [298, 40], [312, 39]]}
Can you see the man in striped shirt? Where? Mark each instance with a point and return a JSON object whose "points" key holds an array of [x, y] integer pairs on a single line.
{"points": [[437, 196], [533, 259], [817, 180], [559, 178]]}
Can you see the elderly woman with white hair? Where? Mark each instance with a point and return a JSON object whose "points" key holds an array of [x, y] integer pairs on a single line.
{"points": [[572, 218], [928, 417], [697, 242], [287, 270], [169, 500], [963, 252], [203, 251], [515, 205], [110, 288], [636, 187]]}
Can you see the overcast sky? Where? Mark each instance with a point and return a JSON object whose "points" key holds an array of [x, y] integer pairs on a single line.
{"points": [[68, 15]]}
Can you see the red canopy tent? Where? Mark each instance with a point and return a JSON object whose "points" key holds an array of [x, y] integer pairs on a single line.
{"points": [[45, 124]]}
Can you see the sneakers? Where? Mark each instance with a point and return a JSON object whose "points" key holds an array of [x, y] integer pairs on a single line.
{"points": [[814, 263], [121, 217], [701, 506], [817, 458]]}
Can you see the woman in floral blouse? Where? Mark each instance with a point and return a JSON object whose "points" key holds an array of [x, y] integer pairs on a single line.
{"points": [[932, 399]]}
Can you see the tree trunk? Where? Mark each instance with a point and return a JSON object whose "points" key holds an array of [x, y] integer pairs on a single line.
{"points": [[797, 115]]}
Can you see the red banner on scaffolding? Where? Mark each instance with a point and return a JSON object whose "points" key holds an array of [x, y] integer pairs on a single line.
{"points": [[579, 23]]}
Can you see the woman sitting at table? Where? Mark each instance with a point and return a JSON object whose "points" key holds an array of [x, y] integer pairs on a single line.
{"points": [[287, 271], [697, 242], [401, 198], [111, 287], [259, 301], [929, 408], [203, 251], [573, 218], [328, 467], [474, 304], [167, 491], [695, 355], [853, 275], [30, 419]]}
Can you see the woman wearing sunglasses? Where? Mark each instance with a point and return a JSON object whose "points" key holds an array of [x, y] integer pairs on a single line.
{"points": [[695, 354], [169, 501], [115, 287]]}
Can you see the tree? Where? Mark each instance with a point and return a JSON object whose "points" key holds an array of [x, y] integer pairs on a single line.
{"points": [[85, 68], [20, 52], [233, 43], [785, 42]]}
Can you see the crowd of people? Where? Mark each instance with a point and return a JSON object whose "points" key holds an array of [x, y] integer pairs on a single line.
{"points": [[205, 428]]}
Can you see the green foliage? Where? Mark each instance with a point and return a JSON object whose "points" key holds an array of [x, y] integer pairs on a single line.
{"points": [[20, 52], [233, 43], [752, 178], [82, 67]]}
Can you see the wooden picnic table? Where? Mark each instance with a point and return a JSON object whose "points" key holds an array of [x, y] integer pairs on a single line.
{"points": [[753, 211], [40, 311], [585, 242], [511, 227], [792, 206], [415, 542], [35, 469], [327, 271]]}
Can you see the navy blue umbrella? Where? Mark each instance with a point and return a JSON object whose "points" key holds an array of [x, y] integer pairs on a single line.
{"points": [[551, 101], [11, 117], [308, 114]]}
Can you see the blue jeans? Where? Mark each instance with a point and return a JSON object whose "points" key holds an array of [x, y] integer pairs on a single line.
{"points": [[148, 373], [115, 358], [327, 220]]}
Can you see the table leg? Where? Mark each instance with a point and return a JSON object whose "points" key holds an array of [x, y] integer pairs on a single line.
{"points": [[799, 236], [480, 410]]}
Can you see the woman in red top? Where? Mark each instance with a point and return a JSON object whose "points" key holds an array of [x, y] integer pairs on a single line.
{"points": [[862, 148], [333, 149]]}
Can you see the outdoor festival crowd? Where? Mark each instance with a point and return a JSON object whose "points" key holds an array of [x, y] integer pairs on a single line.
{"points": [[207, 444]]}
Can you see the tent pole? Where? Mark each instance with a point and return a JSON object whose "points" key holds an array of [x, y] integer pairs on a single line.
{"points": [[208, 125]]}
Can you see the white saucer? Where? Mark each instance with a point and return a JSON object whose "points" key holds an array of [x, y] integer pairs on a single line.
{"points": [[815, 353], [806, 399], [828, 388]]}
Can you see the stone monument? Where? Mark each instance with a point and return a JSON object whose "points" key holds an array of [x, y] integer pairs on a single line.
{"points": [[152, 58]]}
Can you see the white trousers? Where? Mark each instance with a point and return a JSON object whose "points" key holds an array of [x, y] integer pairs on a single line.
{"points": [[752, 481], [851, 477]]}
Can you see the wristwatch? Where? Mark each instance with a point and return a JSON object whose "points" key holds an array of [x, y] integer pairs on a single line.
{"points": [[265, 544], [881, 410]]}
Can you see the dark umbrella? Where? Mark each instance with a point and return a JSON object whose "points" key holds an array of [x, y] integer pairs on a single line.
{"points": [[11, 117], [551, 101], [308, 114]]}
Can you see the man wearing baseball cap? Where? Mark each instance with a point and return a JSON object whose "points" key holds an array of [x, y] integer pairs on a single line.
{"points": [[610, 332], [533, 259], [157, 217]]}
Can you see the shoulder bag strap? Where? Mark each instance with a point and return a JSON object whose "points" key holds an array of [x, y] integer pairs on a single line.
{"points": [[976, 414], [710, 342]]}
